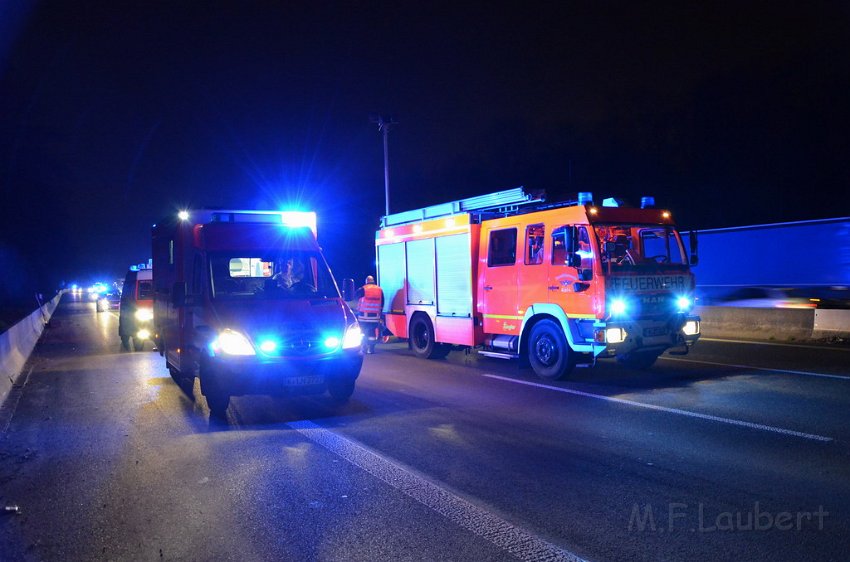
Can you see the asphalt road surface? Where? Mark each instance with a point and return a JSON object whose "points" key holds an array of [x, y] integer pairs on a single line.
{"points": [[738, 451]]}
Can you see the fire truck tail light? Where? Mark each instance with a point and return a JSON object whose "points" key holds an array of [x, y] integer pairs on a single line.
{"points": [[615, 335], [691, 328]]}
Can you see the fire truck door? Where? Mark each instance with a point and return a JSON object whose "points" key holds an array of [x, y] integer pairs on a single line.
{"points": [[566, 287], [499, 283]]}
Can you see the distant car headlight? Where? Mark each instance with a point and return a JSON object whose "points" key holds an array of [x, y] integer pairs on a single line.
{"points": [[353, 337], [144, 314], [232, 343]]}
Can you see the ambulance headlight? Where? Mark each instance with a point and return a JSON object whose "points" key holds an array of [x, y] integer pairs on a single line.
{"points": [[683, 304], [144, 315], [691, 328], [232, 343], [618, 307], [353, 337], [615, 335]]}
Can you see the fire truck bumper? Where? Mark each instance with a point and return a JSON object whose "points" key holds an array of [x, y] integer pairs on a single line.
{"points": [[283, 376], [621, 337]]}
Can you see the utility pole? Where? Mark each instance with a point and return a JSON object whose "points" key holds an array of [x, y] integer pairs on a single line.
{"points": [[384, 124]]}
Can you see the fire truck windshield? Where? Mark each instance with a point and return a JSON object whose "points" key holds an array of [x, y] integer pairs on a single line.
{"points": [[637, 247], [256, 275]]}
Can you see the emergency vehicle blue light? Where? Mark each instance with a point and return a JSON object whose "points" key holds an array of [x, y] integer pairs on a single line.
{"points": [[268, 346], [683, 304], [618, 307], [295, 219], [332, 342], [647, 202], [183, 215], [585, 198], [610, 202]]}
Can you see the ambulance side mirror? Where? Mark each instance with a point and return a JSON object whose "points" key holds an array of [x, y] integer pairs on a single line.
{"points": [[348, 289], [178, 294]]}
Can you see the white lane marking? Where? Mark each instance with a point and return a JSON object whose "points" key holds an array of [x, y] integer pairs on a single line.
{"points": [[677, 411], [508, 537], [804, 346], [805, 373]]}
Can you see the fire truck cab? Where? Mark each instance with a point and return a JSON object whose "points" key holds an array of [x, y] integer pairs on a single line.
{"points": [[559, 284], [245, 301]]}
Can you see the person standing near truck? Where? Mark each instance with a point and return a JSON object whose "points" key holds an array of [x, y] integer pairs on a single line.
{"points": [[370, 304]]}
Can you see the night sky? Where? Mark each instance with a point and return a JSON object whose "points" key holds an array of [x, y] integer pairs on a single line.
{"points": [[115, 114]]}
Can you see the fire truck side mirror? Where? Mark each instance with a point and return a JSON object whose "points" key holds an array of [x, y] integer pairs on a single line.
{"points": [[178, 294], [348, 289], [692, 238]]}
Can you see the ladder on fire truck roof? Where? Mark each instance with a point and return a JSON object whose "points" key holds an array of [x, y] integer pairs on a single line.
{"points": [[504, 202]]}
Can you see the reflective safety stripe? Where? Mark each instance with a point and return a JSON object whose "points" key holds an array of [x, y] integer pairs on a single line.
{"points": [[502, 317]]}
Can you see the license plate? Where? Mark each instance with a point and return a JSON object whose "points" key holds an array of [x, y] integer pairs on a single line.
{"points": [[303, 381], [657, 331]]}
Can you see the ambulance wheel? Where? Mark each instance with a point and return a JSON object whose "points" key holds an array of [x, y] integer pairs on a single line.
{"points": [[641, 360], [138, 344], [422, 339], [217, 399], [548, 352], [218, 402], [183, 382], [341, 389]]}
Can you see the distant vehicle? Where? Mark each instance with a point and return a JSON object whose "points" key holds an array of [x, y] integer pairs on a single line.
{"points": [[135, 319], [109, 301], [245, 301], [764, 297], [808, 259]]}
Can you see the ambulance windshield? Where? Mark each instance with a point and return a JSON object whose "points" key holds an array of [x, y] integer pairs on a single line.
{"points": [[260, 276], [639, 247]]}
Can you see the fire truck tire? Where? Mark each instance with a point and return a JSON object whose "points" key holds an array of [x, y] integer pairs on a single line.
{"points": [[138, 344], [422, 339], [548, 352], [341, 389], [638, 359]]}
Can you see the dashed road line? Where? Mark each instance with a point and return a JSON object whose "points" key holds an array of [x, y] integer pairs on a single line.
{"points": [[510, 538], [676, 411], [789, 371]]}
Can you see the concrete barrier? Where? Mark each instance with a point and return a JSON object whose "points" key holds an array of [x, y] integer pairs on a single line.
{"points": [[779, 324], [17, 343], [832, 323]]}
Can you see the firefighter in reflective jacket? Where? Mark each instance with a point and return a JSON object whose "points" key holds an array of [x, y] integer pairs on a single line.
{"points": [[369, 307]]}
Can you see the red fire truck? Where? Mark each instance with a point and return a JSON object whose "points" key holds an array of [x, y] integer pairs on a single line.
{"points": [[558, 284], [245, 301]]}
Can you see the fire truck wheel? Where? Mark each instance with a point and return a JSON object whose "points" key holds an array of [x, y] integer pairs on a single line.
{"points": [[548, 352], [422, 339], [638, 359], [341, 389]]}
